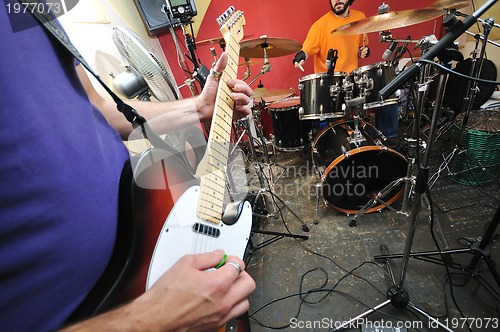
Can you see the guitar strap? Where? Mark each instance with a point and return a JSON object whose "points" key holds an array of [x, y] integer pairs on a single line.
{"points": [[51, 24]]}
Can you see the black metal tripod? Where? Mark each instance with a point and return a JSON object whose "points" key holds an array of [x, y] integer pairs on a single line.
{"points": [[397, 295], [265, 196]]}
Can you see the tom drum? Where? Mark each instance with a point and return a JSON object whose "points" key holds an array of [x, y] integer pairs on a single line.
{"points": [[290, 133], [321, 96]]}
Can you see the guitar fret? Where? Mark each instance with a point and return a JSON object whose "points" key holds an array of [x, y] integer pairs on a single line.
{"points": [[213, 184]]}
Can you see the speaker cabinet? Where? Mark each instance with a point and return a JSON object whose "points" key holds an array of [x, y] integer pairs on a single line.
{"points": [[155, 20]]}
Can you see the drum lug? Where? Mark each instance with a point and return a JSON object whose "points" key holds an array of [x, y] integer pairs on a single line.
{"points": [[345, 152], [301, 111], [301, 86]]}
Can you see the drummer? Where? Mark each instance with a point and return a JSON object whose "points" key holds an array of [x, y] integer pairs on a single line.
{"points": [[319, 41]]}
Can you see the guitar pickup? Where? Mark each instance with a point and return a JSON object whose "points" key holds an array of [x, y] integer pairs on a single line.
{"points": [[206, 230]]}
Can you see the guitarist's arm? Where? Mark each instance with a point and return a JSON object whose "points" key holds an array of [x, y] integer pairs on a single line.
{"points": [[169, 116], [185, 298]]}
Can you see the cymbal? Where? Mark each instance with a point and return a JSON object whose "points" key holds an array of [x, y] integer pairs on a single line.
{"points": [[248, 63], [449, 4], [275, 47], [388, 21], [216, 41], [270, 96]]}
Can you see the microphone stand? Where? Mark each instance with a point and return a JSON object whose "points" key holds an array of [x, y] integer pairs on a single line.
{"points": [[397, 294], [472, 88], [458, 29], [201, 72]]}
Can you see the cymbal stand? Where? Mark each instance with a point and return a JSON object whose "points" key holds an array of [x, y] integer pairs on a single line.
{"points": [[267, 196], [397, 294], [450, 161], [409, 179], [266, 67]]}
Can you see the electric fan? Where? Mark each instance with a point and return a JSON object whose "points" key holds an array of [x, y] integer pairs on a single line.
{"points": [[145, 70]]}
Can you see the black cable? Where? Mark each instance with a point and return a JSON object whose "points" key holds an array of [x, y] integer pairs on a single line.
{"points": [[480, 80]]}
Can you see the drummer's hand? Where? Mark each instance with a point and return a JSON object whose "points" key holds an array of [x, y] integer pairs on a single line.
{"points": [[299, 65], [364, 51], [299, 59]]}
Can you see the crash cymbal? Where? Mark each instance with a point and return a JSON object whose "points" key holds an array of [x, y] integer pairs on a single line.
{"points": [[275, 47], [388, 21], [270, 96], [248, 63], [449, 4], [216, 41]]}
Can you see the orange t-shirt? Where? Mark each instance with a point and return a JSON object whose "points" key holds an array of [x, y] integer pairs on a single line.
{"points": [[319, 40]]}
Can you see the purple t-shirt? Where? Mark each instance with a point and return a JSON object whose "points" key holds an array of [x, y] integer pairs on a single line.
{"points": [[60, 164]]}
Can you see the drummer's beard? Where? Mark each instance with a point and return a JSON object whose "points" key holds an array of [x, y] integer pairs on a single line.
{"points": [[339, 10]]}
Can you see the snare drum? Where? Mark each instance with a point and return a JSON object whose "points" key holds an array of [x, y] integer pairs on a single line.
{"points": [[370, 79], [354, 174], [321, 96], [290, 133]]}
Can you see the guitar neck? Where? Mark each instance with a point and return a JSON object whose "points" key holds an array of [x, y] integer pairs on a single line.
{"points": [[213, 183]]}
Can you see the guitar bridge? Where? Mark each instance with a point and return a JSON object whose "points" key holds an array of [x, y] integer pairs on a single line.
{"points": [[206, 230]]}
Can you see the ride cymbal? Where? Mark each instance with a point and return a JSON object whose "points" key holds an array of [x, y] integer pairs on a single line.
{"points": [[216, 41], [388, 21], [274, 47], [449, 4]]}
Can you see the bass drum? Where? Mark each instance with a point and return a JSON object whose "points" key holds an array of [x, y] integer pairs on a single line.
{"points": [[352, 175]]}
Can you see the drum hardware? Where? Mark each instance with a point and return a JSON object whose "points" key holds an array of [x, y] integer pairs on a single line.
{"points": [[265, 195], [450, 161], [397, 295]]}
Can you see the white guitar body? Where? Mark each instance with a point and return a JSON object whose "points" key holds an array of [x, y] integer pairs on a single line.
{"points": [[183, 233]]}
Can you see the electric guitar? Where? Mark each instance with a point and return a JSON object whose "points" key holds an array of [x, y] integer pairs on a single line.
{"points": [[172, 213]]}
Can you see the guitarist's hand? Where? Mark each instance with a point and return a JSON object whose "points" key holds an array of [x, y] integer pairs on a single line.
{"points": [[187, 297], [241, 93]]}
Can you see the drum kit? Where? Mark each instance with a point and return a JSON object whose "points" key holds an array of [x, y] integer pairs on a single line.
{"points": [[351, 156]]}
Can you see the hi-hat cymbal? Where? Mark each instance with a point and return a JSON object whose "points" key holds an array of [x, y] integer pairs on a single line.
{"points": [[270, 96], [216, 41], [388, 21], [449, 4], [275, 47]]}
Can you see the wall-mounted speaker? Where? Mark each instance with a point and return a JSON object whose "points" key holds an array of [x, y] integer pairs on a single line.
{"points": [[155, 20]]}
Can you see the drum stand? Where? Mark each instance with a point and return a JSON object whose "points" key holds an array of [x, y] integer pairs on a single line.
{"points": [[450, 161], [266, 194], [413, 152], [396, 294]]}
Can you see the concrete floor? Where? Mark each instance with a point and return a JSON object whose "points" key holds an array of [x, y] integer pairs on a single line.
{"points": [[314, 284]]}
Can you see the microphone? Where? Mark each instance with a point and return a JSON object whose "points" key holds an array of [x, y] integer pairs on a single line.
{"points": [[389, 51], [329, 58]]}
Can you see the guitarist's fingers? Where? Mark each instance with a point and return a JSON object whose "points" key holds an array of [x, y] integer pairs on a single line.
{"points": [[238, 293], [207, 260], [237, 311], [220, 65], [241, 93]]}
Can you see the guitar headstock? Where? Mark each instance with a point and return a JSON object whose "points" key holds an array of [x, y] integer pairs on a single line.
{"points": [[231, 24]]}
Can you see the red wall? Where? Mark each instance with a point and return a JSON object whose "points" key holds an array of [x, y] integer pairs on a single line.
{"points": [[289, 19]]}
